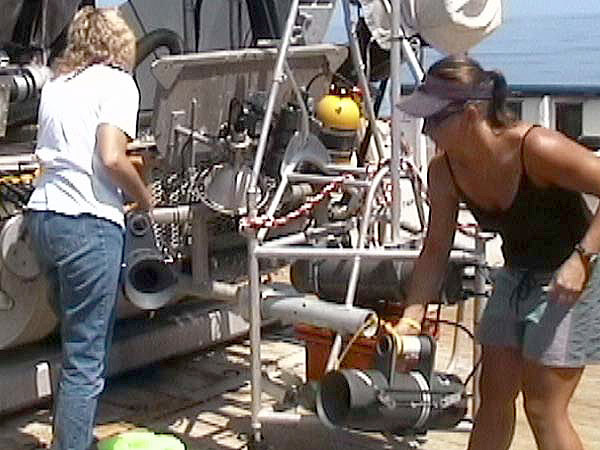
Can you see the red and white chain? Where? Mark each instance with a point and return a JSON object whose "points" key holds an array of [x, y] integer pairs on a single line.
{"points": [[304, 210]]}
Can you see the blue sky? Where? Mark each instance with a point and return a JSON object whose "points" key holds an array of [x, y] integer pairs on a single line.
{"points": [[515, 8], [519, 8]]}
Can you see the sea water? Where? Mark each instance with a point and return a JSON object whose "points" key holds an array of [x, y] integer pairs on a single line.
{"points": [[534, 50], [561, 50]]}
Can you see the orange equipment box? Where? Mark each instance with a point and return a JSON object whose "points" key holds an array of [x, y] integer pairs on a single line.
{"points": [[361, 355], [318, 342]]}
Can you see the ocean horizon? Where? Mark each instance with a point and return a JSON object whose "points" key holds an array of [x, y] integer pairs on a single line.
{"points": [[544, 49]]}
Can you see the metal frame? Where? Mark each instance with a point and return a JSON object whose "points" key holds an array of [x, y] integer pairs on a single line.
{"points": [[257, 249]]}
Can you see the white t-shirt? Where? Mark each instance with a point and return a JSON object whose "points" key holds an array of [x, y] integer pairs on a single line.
{"points": [[73, 179]]}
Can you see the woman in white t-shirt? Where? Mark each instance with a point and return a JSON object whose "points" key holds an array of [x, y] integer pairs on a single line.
{"points": [[87, 114]]}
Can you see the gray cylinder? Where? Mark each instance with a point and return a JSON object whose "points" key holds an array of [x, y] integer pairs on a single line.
{"points": [[364, 400], [312, 311], [378, 280], [148, 282], [26, 314]]}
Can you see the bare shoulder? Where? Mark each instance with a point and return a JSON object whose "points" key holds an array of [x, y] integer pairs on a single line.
{"points": [[550, 157], [440, 180], [541, 139]]}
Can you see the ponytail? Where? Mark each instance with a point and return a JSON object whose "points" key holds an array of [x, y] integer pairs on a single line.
{"points": [[498, 113]]}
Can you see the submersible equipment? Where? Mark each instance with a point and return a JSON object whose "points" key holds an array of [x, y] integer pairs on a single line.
{"points": [[384, 399]]}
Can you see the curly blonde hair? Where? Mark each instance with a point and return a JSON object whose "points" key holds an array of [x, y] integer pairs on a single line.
{"points": [[97, 35]]}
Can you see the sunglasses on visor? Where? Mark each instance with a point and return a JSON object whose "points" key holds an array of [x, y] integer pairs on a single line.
{"points": [[436, 119]]}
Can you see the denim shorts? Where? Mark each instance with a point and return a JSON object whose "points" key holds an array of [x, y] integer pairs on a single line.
{"points": [[521, 315]]}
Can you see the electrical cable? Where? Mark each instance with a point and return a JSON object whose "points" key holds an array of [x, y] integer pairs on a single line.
{"points": [[455, 324], [472, 373]]}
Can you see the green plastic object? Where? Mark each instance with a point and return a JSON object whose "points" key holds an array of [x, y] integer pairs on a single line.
{"points": [[141, 440]]}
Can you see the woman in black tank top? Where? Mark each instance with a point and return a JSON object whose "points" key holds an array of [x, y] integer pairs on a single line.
{"points": [[525, 182]]}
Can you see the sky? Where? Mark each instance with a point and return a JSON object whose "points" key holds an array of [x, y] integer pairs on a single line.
{"points": [[520, 8], [517, 8]]}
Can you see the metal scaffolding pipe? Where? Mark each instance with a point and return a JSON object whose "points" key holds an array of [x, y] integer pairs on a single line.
{"points": [[308, 309], [278, 79], [305, 252], [252, 195], [396, 134], [292, 239], [210, 290], [175, 214], [324, 179], [362, 79], [353, 281]]}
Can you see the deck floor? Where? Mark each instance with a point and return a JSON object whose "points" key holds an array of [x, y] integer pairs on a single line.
{"points": [[205, 400]]}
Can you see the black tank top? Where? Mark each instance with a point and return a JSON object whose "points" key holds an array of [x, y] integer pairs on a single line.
{"points": [[542, 225]]}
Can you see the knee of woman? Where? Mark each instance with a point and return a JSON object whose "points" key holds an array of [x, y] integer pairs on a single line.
{"points": [[535, 409]]}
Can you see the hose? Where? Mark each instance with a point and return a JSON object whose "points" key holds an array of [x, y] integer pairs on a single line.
{"points": [[160, 37]]}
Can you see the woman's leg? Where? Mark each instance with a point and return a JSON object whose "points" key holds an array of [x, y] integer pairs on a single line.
{"points": [[500, 384], [87, 253], [547, 392]]}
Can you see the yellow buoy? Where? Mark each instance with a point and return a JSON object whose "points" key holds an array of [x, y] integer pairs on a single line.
{"points": [[339, 112]]}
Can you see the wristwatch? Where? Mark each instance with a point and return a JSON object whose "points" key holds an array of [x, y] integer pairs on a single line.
{"points": [[586, 256]]}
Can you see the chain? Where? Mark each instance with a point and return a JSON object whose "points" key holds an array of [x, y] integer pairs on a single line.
{"points": [[265, 221]]}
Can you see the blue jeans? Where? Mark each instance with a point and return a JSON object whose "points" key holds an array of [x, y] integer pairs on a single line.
{"points": [[82, 255]]}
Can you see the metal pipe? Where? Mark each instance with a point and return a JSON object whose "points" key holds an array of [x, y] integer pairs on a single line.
{"points": [[338, 168], [478, 307], [306, 252], [211, 290], [255, 323], [193, 107], [413, 61], [275, 202], [324, 179], [396, 135], [362, 79], [334, 354], [193, 134], [292, 239], [304, 308], [278, 79], [175, 214]]}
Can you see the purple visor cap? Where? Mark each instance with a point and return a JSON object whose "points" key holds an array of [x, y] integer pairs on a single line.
{"points": [[436, 93]]}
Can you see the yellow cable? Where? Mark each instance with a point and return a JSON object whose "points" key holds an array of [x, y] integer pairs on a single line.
{"points": [[367, 324]]}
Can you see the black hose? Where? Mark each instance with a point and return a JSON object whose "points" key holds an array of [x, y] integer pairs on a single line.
{"points": [[156, 39]]}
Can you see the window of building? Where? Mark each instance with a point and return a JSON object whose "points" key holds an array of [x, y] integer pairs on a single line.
{"points": [[516, 108], [569, 117]]}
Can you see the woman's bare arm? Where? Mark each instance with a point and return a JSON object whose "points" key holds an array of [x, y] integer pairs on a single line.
{"points": [[430, 268], [552, 159], [111, 144]]}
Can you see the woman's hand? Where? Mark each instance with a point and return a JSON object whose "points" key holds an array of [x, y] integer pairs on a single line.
{"points": [[569, 280], [410, 323]]}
